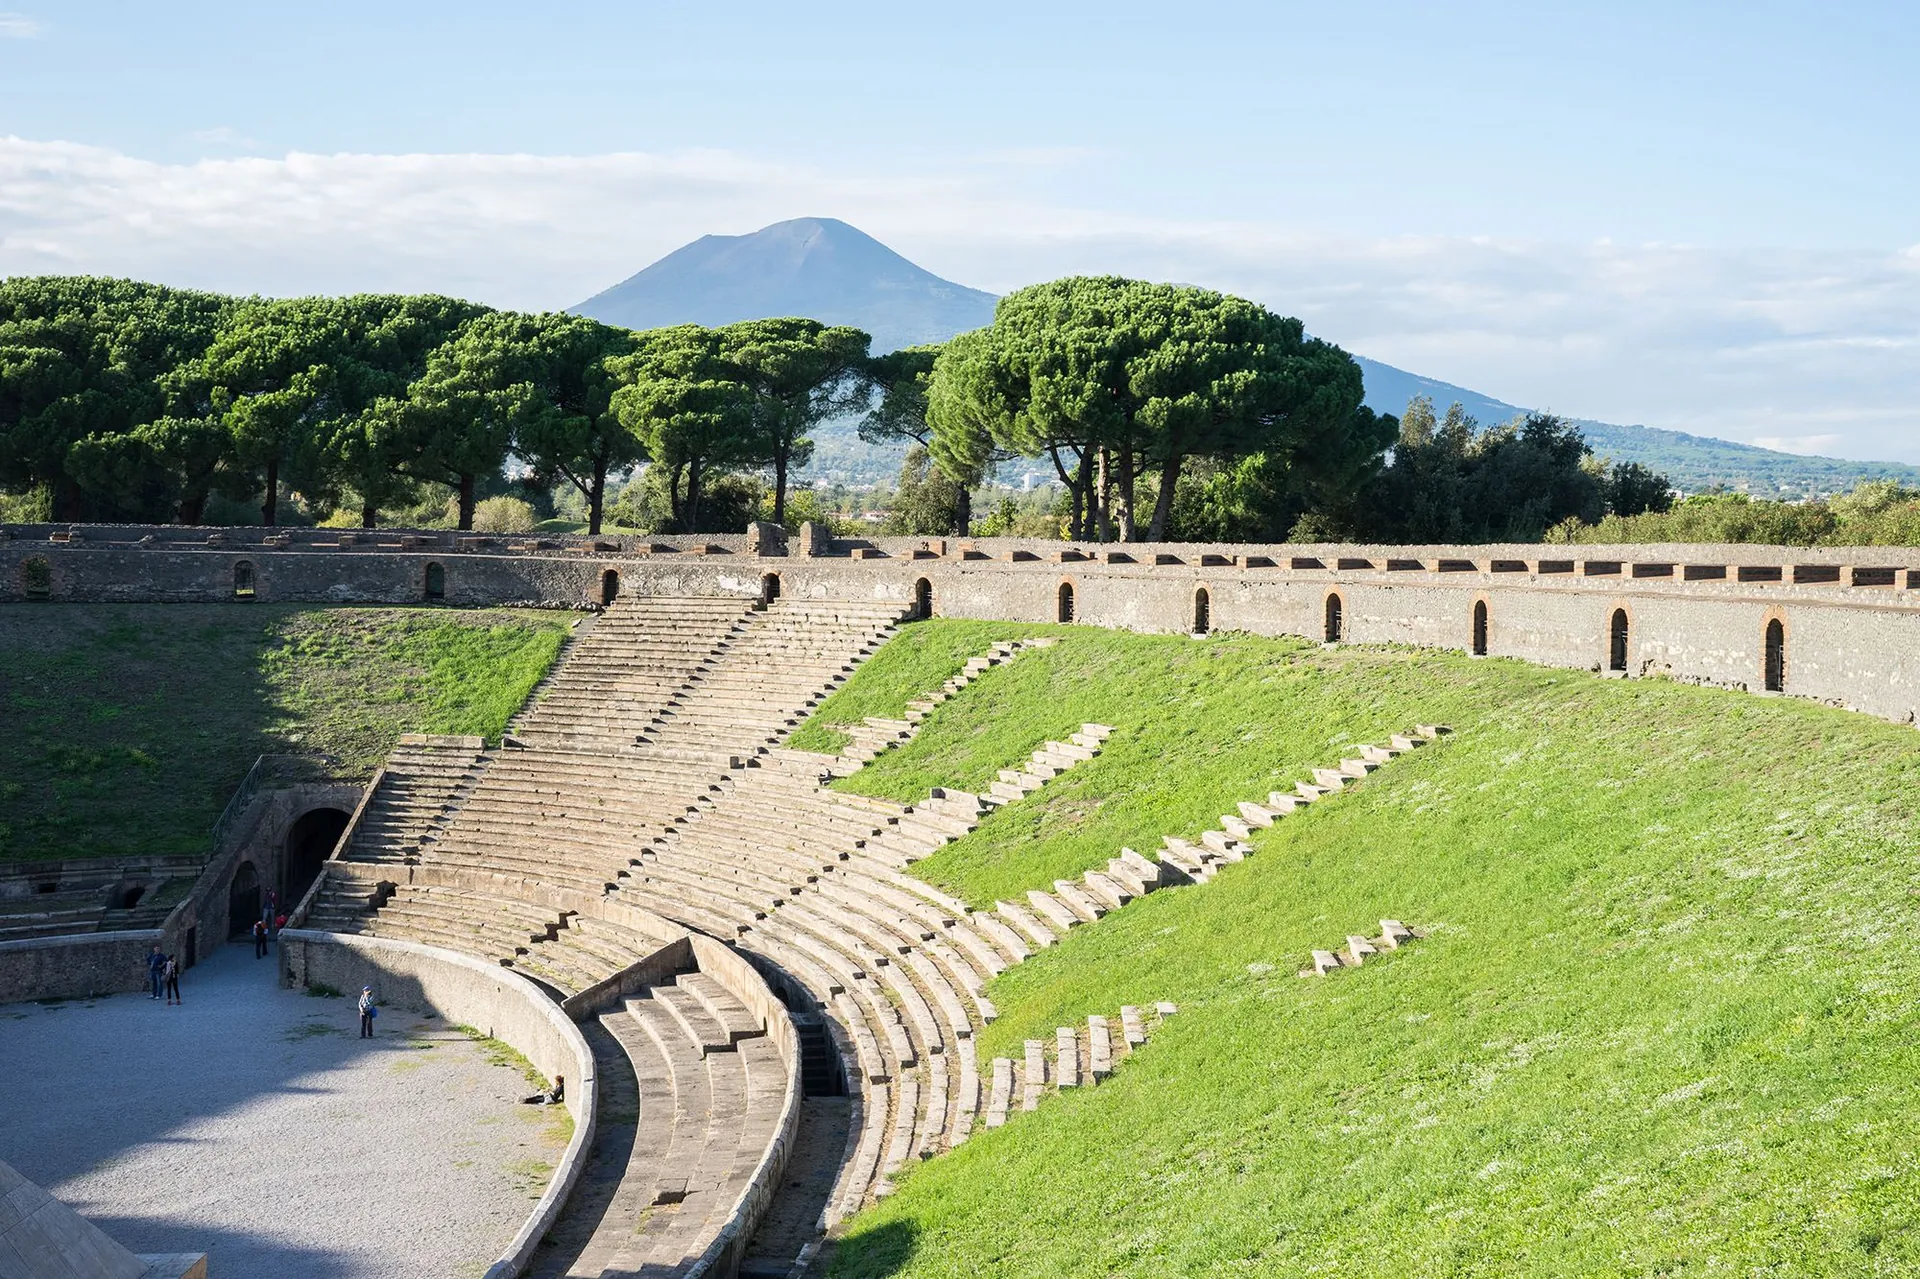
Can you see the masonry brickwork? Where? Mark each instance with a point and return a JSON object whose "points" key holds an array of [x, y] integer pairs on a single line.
{"points": [[1849, 633]]}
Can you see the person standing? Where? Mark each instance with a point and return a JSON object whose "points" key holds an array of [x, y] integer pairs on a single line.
{"points": [[367, 1011], [259, 939], [156, 972], [172, 972]]}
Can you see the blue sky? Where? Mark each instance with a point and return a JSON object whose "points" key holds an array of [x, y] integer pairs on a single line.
{"points": [[1698, 216]]}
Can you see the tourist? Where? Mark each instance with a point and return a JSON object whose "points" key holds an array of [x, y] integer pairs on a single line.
{"points": [[173, 979], [368, 1010], [156, 970], [551, 1097], [259, 939]]}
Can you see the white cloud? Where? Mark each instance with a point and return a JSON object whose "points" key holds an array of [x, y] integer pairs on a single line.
{"points": [[1789, 347], [18, 26]]}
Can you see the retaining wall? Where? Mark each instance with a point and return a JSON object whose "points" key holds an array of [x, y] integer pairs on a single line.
{"points": [[1849, 616], [466, 991], [76, 965]]}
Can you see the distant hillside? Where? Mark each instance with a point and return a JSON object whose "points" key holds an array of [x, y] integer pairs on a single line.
{"points": [[823, 268], [1692, 462], [818, 267]]}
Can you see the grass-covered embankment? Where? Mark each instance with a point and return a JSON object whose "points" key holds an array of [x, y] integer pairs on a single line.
{"points": [[128, 725], [1665, 1023]]}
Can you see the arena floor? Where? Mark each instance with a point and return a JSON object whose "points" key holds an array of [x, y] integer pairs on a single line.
{"points": [[253, 1124]]}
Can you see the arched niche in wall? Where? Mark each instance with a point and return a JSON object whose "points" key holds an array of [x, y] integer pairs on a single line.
{"points": [[1202, 610], [243, 580], [1334, 618], [434, 581], [1619, 638], [1064, 603], [1478, 640], [769, 587], [1773, 654], [609, 586], [922, 598]]}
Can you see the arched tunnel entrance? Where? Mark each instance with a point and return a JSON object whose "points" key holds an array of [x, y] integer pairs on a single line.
{"points": [[309, 843], [243, 900]]}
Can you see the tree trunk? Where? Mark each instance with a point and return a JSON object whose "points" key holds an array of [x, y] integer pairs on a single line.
{"points": [[693, 497], [369, 513], [466, 503], [66, 500], [676, 504], [1124, 485], [192, 507], [270, 508], [1101, 499], [780, 457], [1073, 491], [963, 513], [1163, 505], [597, 496]]}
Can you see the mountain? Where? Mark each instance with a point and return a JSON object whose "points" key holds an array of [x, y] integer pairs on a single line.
{"points": [[818, 267], [824, 268]]}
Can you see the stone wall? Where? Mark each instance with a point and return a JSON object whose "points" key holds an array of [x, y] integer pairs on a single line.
{"points": [[76, 965], [1694, 612], [470, 992]]}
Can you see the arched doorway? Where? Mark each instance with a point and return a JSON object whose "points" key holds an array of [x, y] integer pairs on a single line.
{"points": [[609, 587], [435, 586], [769, 587], [309, 843], [243, 900], [1776, 656], [1336, 621], [1064, 611], [1479, 628], [923, 599], [1617, 636], [243, 580], [1202, 612]]}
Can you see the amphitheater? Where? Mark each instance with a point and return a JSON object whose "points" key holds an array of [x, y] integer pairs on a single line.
{"points": [[766, 1017]]}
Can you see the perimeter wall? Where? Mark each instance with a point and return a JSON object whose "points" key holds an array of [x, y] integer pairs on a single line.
{"points": [[1843, 624]]}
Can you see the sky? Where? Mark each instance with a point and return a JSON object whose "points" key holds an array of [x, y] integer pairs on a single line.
{"points": [[1698, 216]]}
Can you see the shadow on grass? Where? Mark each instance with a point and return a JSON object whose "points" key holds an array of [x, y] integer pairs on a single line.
{"points": [[876, 1253]]}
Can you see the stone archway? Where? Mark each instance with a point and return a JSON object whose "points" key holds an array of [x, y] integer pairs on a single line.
{"points": [[1063, 611], [1202, 611], [1774, 661], [1336, 618], [310, 841], [609, 587], [1479, 628], [922, 599], [769, 587], [1619, 639], [243, 900]]}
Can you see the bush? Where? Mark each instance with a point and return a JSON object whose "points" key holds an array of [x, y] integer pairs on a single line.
{"points": [[35, 506], [503, 515]]}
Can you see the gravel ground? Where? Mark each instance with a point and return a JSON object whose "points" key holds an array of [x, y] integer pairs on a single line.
{"points": [[253, 1124]]}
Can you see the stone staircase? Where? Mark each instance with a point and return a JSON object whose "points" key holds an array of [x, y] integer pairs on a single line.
{"points": [[414, 796], [560, 850], [669, 1170]]}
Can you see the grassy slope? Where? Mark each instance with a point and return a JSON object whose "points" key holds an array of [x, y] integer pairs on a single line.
{"points": [[1664, 1024], [128, 726], [918, 660]]}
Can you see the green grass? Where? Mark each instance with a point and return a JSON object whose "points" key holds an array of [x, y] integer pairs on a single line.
{"points": [[128, 726], [1197, 725], [917, 661], [1664, 1023]]}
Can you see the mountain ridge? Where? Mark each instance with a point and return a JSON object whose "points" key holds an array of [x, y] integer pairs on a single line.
{"points": [[834, 272]]}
